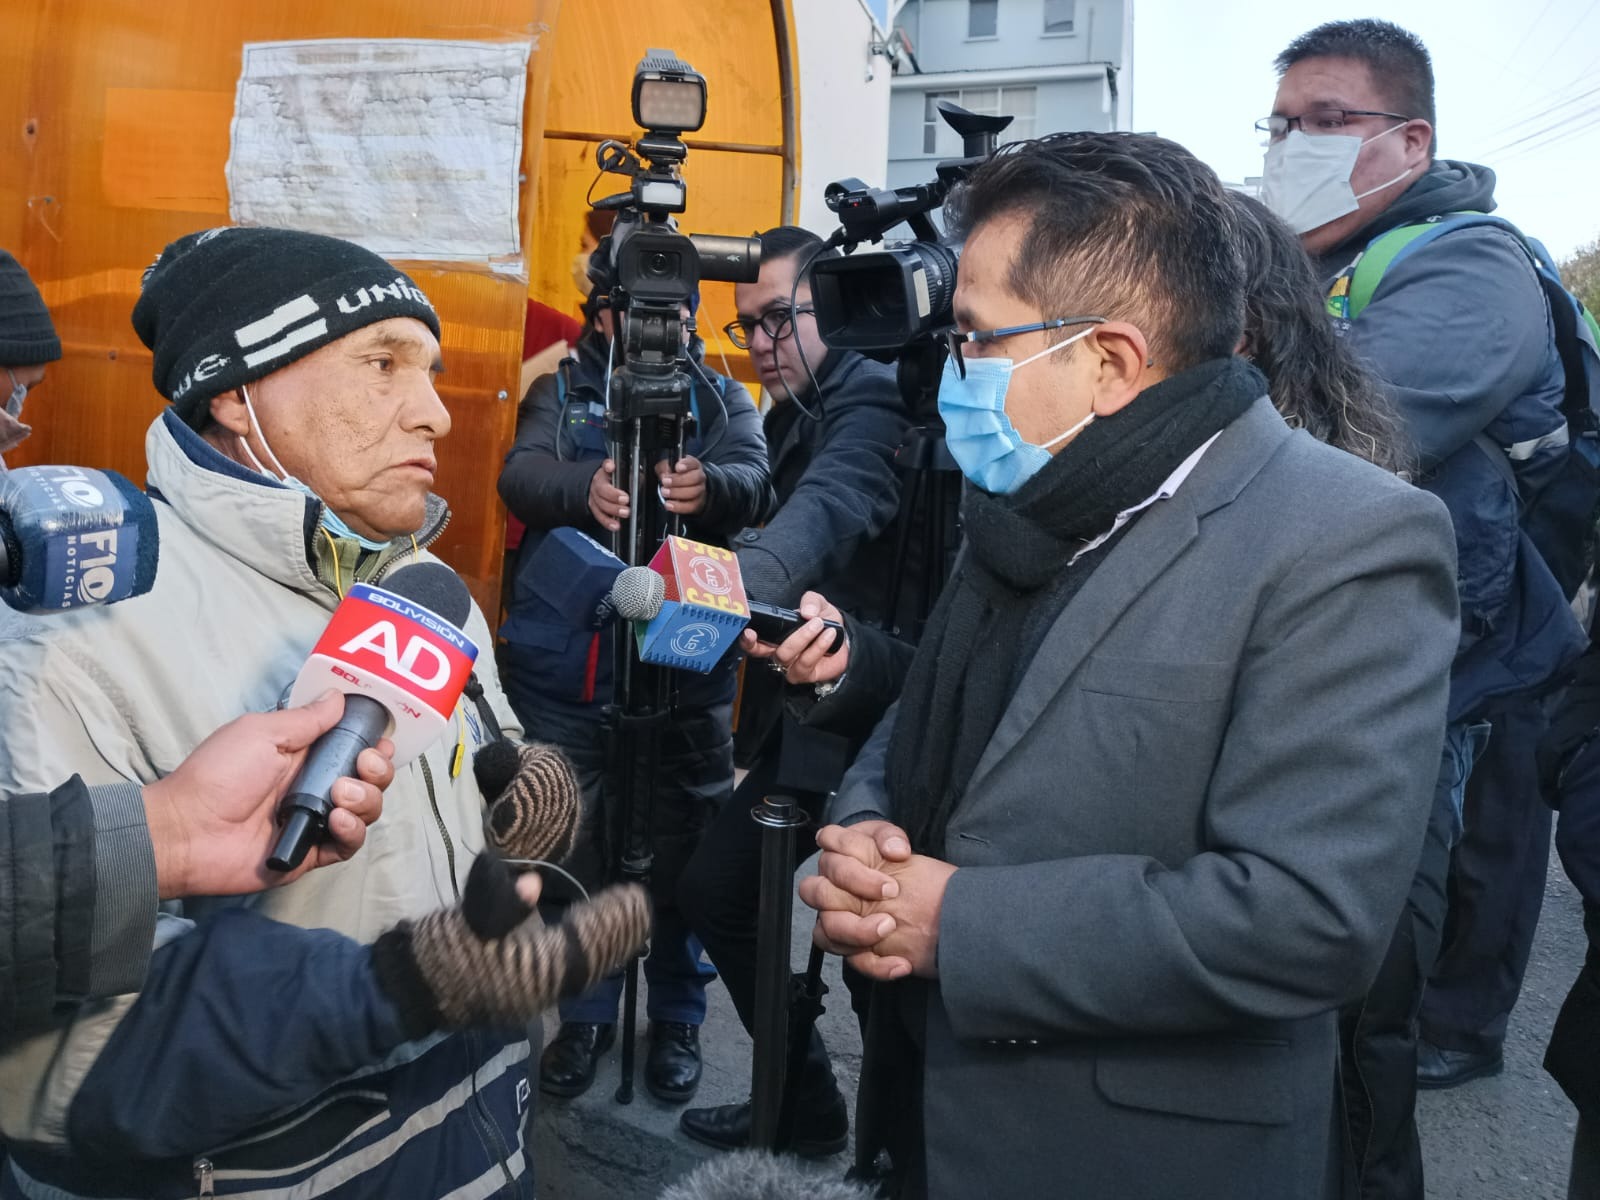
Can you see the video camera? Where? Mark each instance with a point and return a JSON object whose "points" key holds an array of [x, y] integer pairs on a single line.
{"points": [[879, 303], [651, 269]]}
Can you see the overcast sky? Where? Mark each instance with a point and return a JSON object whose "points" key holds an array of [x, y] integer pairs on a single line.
{"points": [[1518, 89]]}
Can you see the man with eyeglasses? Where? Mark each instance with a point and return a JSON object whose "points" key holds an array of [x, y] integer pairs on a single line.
{"points": [[28, 343], [1141, 818], [832, 431], [1460, 332]]}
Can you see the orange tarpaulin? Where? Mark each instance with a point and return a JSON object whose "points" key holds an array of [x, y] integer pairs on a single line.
{"points": [[117, 114]]}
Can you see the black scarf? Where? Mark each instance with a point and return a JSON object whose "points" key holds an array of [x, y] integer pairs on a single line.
{"points": [[1013, 580]]}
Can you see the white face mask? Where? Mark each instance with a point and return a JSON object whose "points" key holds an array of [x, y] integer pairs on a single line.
{"points": [[330, 520], [1306, 180]]}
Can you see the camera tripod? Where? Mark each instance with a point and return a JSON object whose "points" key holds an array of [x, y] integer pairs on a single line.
{"points": [[647, 416]]}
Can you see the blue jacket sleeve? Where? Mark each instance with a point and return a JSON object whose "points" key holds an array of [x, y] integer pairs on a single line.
{"points": [[1458, 330], [239, 1019]]}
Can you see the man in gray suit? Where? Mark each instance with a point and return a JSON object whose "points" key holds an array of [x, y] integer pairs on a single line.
{"points": [[1147, 810]]}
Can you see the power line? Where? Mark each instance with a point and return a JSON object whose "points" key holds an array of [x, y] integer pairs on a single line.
{"points": [[1527, 32], [1551, 136], [1560, 42], [1503, 130], [1560, 123]]}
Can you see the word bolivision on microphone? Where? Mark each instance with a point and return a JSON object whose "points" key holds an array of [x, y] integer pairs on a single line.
{"points": [[72, 537], [704, 610], [399, 656]]}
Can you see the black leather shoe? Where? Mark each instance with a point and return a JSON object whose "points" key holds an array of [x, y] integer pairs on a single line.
{"points": [[672, 1068], [1440, 1068], [820, 1128], [566, 1068]]}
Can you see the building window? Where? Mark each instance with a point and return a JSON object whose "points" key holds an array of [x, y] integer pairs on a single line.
{"points": [[1021, 103], [981, 18], [934, 131], [1058, 16]]}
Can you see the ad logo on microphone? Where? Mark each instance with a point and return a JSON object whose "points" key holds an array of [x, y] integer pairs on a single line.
{"points": [[378, 635]]}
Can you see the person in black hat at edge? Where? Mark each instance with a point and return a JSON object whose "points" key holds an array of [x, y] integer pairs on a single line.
{"points": [[559, 674], [836, 421], [28, 344]]}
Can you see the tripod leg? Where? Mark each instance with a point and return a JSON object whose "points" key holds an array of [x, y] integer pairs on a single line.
{"points": [[630, 1017]]}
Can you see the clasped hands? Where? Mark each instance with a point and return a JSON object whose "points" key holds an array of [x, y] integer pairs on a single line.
{"points": [[877, 903]]}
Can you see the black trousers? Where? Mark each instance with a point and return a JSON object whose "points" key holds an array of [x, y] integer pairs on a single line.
{"points": [[1378, 1036], [694, 775], [719, 892], [1497, 879]]}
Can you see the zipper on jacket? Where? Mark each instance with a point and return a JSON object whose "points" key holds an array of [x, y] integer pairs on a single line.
{"points": [[202, 1177], [438, 817], [423, 542], [478, 1110]]}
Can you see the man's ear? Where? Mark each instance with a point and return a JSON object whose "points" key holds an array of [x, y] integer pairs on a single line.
{"points": [[228, 411], [1418, 135], [1124, 367]]}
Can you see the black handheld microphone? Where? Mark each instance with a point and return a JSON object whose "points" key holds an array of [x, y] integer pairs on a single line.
{"points": [[639, 593], [411, 690], [772, 624], [73, 537]]}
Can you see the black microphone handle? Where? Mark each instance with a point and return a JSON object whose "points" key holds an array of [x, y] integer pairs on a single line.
{"points": [[772, 624], [333, 756]]}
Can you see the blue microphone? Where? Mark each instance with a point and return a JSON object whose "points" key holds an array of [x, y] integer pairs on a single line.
{"points": [[73, 537]]}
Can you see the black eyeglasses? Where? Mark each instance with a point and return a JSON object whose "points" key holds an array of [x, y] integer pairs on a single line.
{"points": [[777, 322], [1317, 120], [955, 339]]}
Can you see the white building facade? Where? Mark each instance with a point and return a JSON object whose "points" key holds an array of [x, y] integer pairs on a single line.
{"points": [[1051, 65]]}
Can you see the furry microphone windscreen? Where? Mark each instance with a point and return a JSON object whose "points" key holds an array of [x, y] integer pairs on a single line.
{"points": [[757, 1175]]}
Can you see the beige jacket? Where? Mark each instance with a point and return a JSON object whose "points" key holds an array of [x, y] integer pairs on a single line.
{"points": [[125, 692]]}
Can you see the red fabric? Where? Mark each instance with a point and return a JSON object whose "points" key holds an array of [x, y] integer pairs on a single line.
{"points": [[545, 326], [590, 668]]}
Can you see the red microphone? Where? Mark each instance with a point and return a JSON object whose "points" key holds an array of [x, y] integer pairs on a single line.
{"points": [[400, 658]]}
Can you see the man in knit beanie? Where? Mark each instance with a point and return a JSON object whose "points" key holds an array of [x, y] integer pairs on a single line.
{"points": [[306, 359], [28, 342], [296, 458]]}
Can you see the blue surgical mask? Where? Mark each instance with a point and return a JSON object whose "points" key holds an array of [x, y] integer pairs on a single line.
{"points": [[982, 440], [330, 520], [19, 393]]}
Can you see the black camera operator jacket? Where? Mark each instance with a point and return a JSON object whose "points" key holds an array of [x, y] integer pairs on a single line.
{"points": [[560, 442], [837, 492]]}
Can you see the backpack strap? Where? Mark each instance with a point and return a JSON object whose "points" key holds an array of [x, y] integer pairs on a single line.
{"points": [[1367, 271]]}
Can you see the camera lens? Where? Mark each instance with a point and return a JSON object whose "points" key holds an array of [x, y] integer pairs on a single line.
{"points": [[660, 264]]}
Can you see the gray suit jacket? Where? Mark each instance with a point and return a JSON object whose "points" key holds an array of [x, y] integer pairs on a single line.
{"points": [[1189, 839]]}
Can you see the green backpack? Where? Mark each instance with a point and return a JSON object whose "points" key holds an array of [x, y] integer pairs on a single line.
{"points": [[1560, 519]]}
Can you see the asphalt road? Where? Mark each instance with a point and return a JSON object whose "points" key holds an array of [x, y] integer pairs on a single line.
{"points": [[1509, 1137]]}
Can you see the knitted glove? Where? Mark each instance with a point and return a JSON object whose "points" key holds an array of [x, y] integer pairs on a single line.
{"points": [[533, 799], [492, 963]]}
